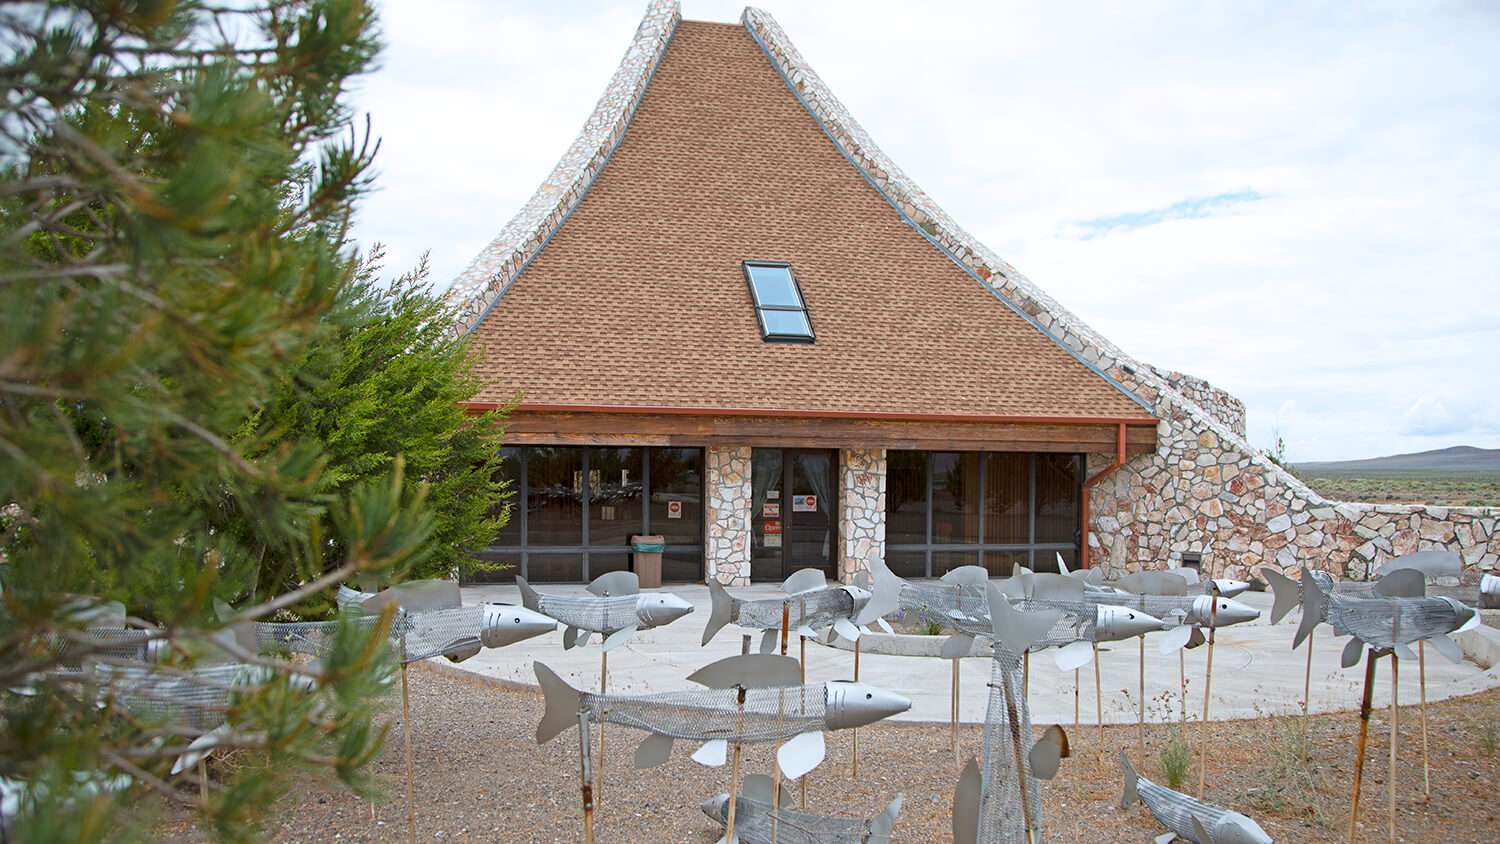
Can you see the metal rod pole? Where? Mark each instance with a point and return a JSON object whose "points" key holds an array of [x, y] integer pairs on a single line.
{"points": [[1422, 684], [1140, 729], [1012, 712], [586, 777], [1099, 703], [1307, 681], [734, 768], [1182, 683], [411, 800], [1359, 751], [855, 732], [1395, 715], [953, 701], [1076, 695], [599, 769], [1208, 680]]}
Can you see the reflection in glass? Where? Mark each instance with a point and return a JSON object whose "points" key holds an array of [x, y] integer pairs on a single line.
{"points": [[955, 499], [510, 470], [907, 563], [601, 562], [1003, 563], [677, 476], [552, 568], [1057, 497], [1007, 499], [945, 561], [906, 499], [615, 491]]}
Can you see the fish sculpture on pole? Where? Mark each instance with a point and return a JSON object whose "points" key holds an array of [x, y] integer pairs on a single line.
{"points": [[616, 611], [1401, 615], [810, 605], [759, 823], [1193, 820]]}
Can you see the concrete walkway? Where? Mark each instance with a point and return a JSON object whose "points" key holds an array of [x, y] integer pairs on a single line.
{"points": [[1256, 672]]}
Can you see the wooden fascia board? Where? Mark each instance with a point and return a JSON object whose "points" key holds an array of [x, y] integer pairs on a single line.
{"points": [[527, 426]]}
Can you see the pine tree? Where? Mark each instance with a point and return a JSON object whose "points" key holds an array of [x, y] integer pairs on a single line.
{"points": [[176, 185]]}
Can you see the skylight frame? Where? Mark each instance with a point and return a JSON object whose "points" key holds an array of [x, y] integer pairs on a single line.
{"points": [[766, 333]]}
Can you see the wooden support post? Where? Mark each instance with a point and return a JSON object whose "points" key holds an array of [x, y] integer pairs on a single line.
{"points": [[1359, 748], [734, 768], [1307, 681], [855, 732], [1422, 684], [586, 777], [1099, 703], [953, 700], [411, 800], [1140, 730], [1208, 680], [1395, 715]]}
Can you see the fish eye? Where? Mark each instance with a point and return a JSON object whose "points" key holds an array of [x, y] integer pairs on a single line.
{"points": [[516, 620], [868, 695]]}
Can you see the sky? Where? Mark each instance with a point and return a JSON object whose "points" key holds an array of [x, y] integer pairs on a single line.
{"points": [[1299, 202]]}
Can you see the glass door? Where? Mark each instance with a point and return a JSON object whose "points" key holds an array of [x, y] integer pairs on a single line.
{"points": [[794, 513]]}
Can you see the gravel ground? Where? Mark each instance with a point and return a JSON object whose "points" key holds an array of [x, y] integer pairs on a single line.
{"points": [[480, 776]]}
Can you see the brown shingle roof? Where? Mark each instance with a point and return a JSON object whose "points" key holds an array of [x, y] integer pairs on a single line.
{"points": [[639, 299]]}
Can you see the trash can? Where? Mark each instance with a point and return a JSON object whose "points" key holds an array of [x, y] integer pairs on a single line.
{"points": [[647, 563]]}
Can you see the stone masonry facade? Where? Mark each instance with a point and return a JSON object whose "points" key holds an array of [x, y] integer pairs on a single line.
{"points": [[1205, 489], [862, 475], [727, 484]]}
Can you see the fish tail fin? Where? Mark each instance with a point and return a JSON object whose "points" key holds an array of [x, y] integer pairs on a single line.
{"points": [[529, 598], [1286, 592], [720, 612], [1130, 797], [966, 799], [561, 704], [1312, 607]]}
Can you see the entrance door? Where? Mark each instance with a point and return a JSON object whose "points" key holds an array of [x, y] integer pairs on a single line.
{"points": [[794, 512]]}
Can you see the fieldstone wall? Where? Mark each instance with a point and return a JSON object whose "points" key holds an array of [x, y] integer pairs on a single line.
{"points": [[727, 549], [1205, 489], [488, 276], [862, 474]]}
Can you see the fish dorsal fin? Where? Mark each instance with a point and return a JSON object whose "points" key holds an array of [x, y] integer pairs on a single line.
{"points": [[967, 576], [749, 671], [881, 824], [417, 596], [1095, 577], [1153, 583], [1062, 565], [1128, 778], [1352, 652], [757, 787], [767, 641], [1016, 570], [1012, 587], [863, 580], [1403, 583], [1017, 631], [804, 580], [653, 750], [957, 646], [1431, 563], [614, 584], [1188, 575], [1073, 655], [966, 798], [885, 594], [1046, 586]]}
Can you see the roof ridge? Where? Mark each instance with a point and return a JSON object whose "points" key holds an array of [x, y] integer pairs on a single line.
{"points": [[481, 284], [1134, 378]]}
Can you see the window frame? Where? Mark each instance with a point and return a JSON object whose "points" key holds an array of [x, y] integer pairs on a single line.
{"points": [[766, 334]]}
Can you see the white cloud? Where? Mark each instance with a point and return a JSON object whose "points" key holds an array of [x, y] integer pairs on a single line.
{"points": [[1361, 275]]}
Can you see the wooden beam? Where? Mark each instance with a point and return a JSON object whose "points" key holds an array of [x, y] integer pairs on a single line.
{"points": [[626, 429]]}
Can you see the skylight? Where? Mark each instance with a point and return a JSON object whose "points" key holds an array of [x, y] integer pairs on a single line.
{"points": [[778, 303]]}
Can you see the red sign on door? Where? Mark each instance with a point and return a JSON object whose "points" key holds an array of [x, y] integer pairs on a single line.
{"points": [[674, 509], [773, 526]]}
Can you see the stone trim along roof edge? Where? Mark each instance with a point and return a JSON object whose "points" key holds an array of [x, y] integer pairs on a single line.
{"points": [[489, 275]]}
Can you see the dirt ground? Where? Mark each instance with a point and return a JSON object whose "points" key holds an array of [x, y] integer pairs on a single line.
{"points": [[480, 776]]}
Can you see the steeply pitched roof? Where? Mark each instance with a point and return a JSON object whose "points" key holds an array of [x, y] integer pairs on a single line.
{"points": [[638, 298]]}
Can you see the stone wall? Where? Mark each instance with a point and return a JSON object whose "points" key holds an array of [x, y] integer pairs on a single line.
{"points": [[1219, 403], [487, 277], [726, 552], [862, 474]]}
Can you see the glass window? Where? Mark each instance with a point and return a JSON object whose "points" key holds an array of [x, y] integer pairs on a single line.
{"points": [[601, 562], [946, 561], [907, 563], [510, 470], [1007, 499], [1058, 485], [616, 487], [955, 499], [677, 495], [511, 559], [554, 568], [906, 499], [1003, 563], [778, 303], [554, 485]]}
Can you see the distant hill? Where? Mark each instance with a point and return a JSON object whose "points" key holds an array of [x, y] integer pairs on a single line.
{"points": [[1459, 459]]}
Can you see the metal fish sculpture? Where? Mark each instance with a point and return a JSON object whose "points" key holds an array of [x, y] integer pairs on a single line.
{"points": [[810, 605], [757, 821], [748, 699], [432, 622], [1193, 585], [618, 609], [1446, 577], [1194, 820], [1401, 616]]}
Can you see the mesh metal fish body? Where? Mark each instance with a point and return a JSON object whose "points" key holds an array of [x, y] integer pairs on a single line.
{"points": [[816, 608], [770, 714], [1007, 744], [1384, 622], [1176, 812], [597, 615], [195, 698], [963, 608]]}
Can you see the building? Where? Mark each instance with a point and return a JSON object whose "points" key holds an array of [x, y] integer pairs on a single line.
{"points": [[731, 321]]}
